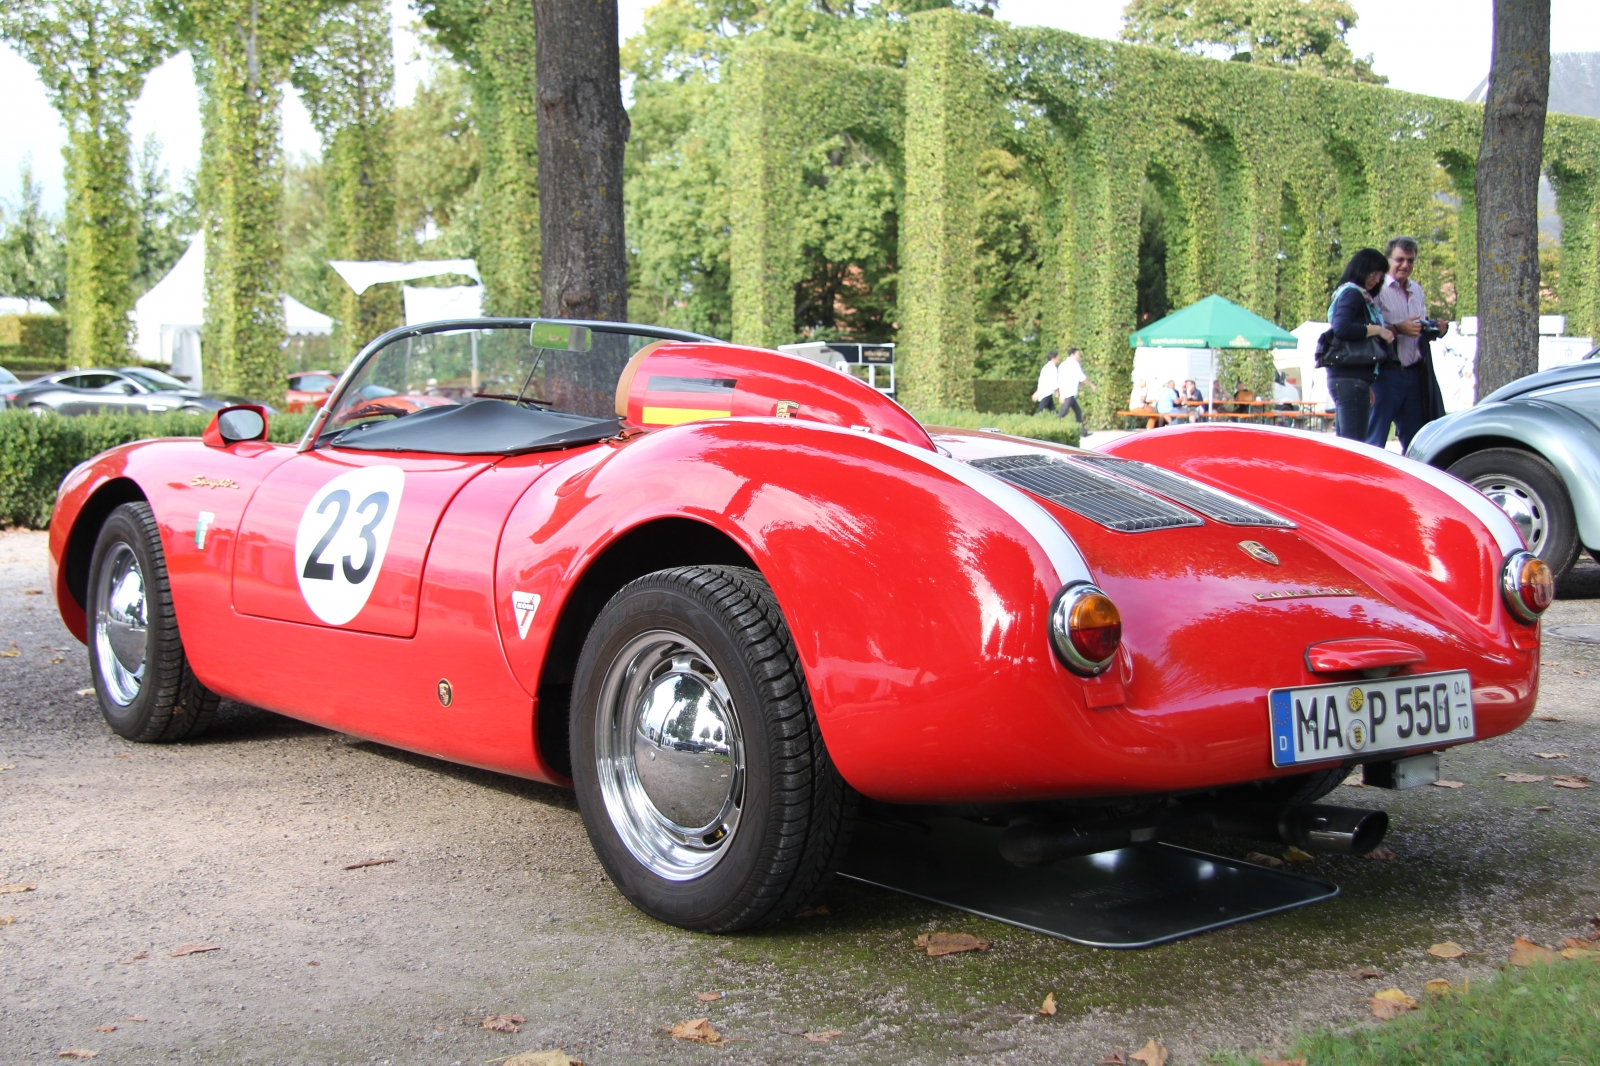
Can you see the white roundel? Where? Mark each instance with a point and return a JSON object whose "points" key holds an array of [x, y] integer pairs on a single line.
{"points": [[343, 536]]}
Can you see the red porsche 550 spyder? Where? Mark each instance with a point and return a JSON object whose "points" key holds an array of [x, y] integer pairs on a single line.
{"points": [[737, 599]]}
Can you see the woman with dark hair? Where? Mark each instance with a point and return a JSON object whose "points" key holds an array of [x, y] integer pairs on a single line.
{"points": [[1353, 315]]}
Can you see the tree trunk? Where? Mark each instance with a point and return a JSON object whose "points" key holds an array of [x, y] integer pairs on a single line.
{"points": [[582, 131], [1507, 188]]}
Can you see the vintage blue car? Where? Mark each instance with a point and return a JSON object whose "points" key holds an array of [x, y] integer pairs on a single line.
{"points": [[1533, 447]]}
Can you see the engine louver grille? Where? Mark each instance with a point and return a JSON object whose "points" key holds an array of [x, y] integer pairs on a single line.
{"points": [[1085, 491], [1213, 503]]}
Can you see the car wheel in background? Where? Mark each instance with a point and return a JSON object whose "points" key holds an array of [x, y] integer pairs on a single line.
{"points": [[147, 691], [700, 769], [1531, 492]]}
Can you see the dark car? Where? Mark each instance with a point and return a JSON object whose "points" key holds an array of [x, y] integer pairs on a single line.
{"points": [[1533, 447], [131, 390]]}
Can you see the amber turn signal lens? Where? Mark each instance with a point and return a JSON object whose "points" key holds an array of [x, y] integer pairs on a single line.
{"points": [[1085, 629], [1527, 585]]}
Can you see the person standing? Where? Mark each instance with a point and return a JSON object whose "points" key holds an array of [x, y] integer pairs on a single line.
{"points": [[1354, 315], [1049, 381], [1398, 391], [1070, 375]]}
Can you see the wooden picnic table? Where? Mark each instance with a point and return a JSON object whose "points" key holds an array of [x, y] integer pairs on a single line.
{"points": [[1298, 412]]}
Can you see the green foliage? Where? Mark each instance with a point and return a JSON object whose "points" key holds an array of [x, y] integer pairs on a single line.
{"points": [[37, 451], [165, 220], [33, 250], [346, 77], [1010, 257], [438, 155], [1308, 35], [1004, 396], [33, 343], [92, 56], [1045, 427]]}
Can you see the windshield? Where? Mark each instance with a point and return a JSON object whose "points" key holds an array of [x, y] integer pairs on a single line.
{"points": [[414, 373], [7, 377], [154, 380]]}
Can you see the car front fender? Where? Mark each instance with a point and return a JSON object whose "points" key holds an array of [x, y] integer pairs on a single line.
{"points": [[1564, 438]]}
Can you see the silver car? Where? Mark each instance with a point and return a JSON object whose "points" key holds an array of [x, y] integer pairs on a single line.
{"points": [[1533, 447]]}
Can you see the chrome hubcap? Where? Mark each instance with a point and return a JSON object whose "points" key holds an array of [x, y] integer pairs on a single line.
{"points": [[120, 621], [670, 756], [1520, 503]]}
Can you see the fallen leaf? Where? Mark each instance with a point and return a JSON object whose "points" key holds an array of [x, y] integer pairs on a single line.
{"points": [[1366, 973], [1525, 952], [1544, 808], [1448, 950], [105, 1028], [12, 654], [1113, 1058], [1354, 781], [33, 592], [1548, 718], [698, 1030], [1294, 854], [819, 911], [1581, 943], [708, 997], [822, 1037], [504, 1023], [86, 692], [1263, 859], [8, 889], [135, 1018], [1522, 779], [1152, 1054], [8, 766], [1048, 1007], [125, 755], [314, 962], [8, 919], [1439, 987], [1570, 781], [1581, 673], [1449, 784], [950, 943], [195, 949], [556, 1057], [76, 1053], [1548, 662], [1380, 855], [1548, 754], [133, 958], [368, 862], [1264, 1061], [1391, 1003]]}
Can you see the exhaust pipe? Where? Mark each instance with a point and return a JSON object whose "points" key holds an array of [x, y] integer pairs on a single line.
{"points": [[1313, 826], [1032, 844]]}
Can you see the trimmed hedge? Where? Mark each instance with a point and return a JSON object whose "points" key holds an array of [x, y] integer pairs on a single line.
{"points": [[1045, 427], [33, 343], [38, 451], [1004, 396]]}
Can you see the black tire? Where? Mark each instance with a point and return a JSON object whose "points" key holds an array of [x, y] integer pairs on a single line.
{"points": [[146, 690], [1515, 478], [1299, 789], [783, 825]]}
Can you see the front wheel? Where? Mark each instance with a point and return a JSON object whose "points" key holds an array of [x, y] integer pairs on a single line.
{"points": [[700, 770], [1530, 491], [147, 691]]}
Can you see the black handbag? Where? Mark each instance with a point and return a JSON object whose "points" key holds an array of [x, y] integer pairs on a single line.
{"points": [[1333, 351]]}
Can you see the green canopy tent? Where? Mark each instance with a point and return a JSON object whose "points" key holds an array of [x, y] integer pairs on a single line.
{"points": [[1214, 322]]}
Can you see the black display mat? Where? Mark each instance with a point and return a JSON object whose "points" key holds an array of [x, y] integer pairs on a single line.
{"points": [[1134, 897]]}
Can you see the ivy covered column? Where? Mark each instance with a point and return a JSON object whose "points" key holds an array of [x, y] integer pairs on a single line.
{"points": [[947, 127]]}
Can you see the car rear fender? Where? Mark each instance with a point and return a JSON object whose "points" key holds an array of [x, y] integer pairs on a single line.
{"points": [[1565, 439], [917, 590]]}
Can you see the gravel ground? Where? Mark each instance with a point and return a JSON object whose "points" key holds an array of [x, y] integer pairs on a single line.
{"points": [[494, 904]]}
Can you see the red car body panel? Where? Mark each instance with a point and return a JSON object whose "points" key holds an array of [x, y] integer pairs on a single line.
{"points": [[917, 588]]}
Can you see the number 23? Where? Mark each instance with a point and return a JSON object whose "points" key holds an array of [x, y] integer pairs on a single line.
{"points": [[316, 569]]}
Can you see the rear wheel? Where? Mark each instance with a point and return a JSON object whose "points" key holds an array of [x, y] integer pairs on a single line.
{"points": [[147, 691], [700, 770], [1530, 491]]}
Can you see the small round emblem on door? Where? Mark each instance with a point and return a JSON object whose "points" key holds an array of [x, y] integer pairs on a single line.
{"points": [[1259, 552], [446, 694]]}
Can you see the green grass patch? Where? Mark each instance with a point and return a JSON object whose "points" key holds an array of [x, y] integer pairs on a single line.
{"points": [[1045, 427], [37, 451], [1544, 1014]]}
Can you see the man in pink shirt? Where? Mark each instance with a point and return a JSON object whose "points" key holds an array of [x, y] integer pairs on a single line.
{"points": [[1397, 393]]}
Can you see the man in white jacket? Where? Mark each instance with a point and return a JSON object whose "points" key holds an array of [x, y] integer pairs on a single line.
{"points": [[1070, 375], [1049, 381]]}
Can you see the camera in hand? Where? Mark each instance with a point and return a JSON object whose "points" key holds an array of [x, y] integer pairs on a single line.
{"points": [[1432, 329]]}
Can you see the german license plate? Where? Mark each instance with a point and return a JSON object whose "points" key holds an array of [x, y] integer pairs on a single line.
{"points": [[1342, 721]]}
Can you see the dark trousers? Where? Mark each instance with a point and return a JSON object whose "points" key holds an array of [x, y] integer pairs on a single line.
{"points": [[1351, 404], [1070, 404], [1047, 404], [1397, 401]]}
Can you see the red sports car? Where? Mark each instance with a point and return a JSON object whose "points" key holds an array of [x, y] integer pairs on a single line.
{"points": [[309, 390], [732, 597]]}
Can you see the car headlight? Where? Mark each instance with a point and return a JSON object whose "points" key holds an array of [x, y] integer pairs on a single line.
{"points": [[1527, 585], [1085, 629]]}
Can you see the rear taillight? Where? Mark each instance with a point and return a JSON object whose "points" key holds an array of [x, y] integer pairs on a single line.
{"points": [[1527, 585], [1085, 629]]}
